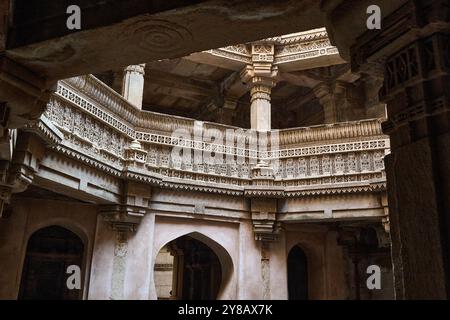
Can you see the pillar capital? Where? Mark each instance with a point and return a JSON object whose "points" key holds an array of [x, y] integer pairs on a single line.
{"points": [[137, 68], [322, 90], [253, 75]]}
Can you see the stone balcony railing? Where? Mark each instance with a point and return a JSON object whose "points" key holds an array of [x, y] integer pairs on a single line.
{"points": [[102, 129]]}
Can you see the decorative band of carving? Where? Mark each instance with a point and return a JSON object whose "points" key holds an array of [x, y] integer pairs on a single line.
{"points": [[260, 92], [419, 111]]}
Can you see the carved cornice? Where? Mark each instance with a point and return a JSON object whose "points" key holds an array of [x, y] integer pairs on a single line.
{"points": [[238, 53], [45, 129], [286, 49]]}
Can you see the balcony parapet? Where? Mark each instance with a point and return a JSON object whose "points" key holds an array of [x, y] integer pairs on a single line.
{"points": [[101, 128]]}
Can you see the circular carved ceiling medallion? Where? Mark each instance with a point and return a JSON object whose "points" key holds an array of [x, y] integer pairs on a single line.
{"points": [[160, 36]]}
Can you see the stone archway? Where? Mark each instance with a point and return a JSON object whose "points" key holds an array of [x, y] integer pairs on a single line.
{"points": [[297, 274], [191, 267], [50, 251]]}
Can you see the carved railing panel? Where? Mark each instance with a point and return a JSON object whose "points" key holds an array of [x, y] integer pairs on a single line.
{"points": [[106, 131]]}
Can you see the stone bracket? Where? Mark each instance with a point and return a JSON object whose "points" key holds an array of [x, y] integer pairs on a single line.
{"points": [[264, 219], [265, 226], [26, 94], [126, 217], [123, 218]]}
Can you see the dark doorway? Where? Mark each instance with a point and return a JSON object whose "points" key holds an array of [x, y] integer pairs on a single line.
{"points": [[297, 274], [195, 268], [50, 251]]}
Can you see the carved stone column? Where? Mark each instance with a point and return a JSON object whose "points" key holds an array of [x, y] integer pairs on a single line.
{"points": [[415, 45], [133, 84], [327, 99], [260, 77], [227, 112]]}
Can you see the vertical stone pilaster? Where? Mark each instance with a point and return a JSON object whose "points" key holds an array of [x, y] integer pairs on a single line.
{"points": [[119, 265], [133, 84], [266, 230], [131, 251], [414, 49], [265, 269], [417, 94]]}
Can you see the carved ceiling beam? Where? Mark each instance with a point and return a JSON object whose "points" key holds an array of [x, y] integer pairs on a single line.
{"points": [[298, 99], [206, 57], [127, 35], [155, 89], [298, 79], [232, 87], [185, 85]]}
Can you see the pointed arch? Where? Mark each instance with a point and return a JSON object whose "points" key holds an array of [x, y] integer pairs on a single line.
{"points": [[50, 251], [224, 258]]}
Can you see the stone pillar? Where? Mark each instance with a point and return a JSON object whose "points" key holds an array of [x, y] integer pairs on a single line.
{"points": [[260, 77], [133, 84], [414, 46], [326, 97], [227, 112], [260, 112], [418, 170]]}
